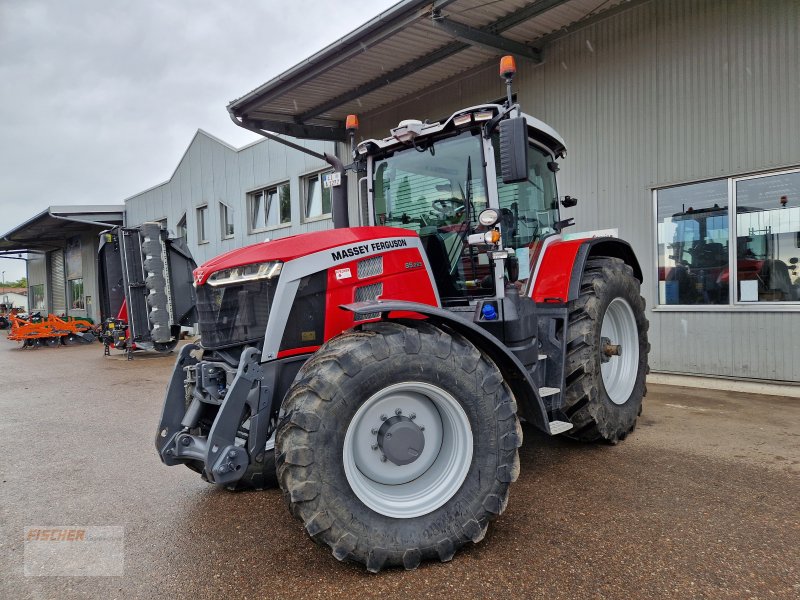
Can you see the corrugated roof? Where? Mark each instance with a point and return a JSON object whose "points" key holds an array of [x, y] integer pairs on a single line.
{"points": [[397, 54], [50, 228]]}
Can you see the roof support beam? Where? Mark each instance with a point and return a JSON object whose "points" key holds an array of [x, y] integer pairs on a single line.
{"points": [[511, 20], [385, 26], [492, 41], [387, 78], [523, 14], [269, 127]]}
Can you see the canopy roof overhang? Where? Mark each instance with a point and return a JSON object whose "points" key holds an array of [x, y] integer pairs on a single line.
{"points": [[401, 52], [50, 229]]}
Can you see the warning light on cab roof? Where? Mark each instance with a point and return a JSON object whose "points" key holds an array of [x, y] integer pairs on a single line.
{"points": [[508, 66]]}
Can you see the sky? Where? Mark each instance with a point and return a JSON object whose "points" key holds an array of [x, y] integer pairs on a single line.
{"points": [[100, 98]]}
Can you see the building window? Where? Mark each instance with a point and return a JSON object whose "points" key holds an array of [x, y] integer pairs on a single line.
{"points": [[181, 230], [768, 238], [37, 297], [75, 291], [226, 220], [270, 207], [317, 198], [72, 258], [202, 217], [697, 264]]}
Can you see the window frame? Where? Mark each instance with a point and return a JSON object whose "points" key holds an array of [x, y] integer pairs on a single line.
{"points": [[304, 179], [734, 305], [71, 285], [251, 196], [182, 228], [225, 219], [201, 231], [32, 295]]}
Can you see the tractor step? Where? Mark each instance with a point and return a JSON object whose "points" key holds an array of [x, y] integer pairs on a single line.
{"points": [[548, 391], [557, 427]]}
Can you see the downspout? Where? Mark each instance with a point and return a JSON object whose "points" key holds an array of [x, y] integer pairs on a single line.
{"points": [[339, 206]]}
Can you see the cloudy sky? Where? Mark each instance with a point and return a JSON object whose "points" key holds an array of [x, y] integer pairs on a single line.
{"points": [[99, 98]]}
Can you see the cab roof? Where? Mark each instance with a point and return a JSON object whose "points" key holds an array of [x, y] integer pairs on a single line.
{"points": [[538, 130]]}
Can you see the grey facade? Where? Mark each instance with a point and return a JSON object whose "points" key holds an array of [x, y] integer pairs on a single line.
{"points": [[655, 94], [44, 270], [211, 173]]}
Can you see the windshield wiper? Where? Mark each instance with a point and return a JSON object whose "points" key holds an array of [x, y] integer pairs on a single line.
{"points": [[459, 247]]}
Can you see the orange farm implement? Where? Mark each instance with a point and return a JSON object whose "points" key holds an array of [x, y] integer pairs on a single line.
{"points": [[51, 331]]}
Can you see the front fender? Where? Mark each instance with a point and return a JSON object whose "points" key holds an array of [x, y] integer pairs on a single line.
{"points": [[525, 391], [558, 277]]}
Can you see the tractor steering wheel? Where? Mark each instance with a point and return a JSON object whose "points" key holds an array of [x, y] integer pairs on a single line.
{"points": [[448, 207]]}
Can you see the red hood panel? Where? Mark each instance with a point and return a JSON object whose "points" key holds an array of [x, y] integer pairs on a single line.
{"points": [[288, 248]]}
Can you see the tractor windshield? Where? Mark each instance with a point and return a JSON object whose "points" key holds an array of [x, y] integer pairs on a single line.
{"points": [[424, 188], [235, 313], [437, 189]]}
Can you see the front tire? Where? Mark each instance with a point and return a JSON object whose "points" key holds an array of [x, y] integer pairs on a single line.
{"points": [[384, 504], [604, 391]]}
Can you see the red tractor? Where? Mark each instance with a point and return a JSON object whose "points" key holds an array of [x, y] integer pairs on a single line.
{"points": [[379, 374]]}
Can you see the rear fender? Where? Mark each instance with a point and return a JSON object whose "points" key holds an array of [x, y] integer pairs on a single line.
{"points": [[559, 273], [526, 393]]}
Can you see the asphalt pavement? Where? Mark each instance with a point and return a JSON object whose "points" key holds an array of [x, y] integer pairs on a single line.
{"points": [[701, 501]]}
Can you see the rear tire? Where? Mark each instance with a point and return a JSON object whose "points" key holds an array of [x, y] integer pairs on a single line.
{"points": [[396, 513], [604, 393]]}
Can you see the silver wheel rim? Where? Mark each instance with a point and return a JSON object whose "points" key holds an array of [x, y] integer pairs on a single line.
{"points": [[418, 488], [619, 372]]}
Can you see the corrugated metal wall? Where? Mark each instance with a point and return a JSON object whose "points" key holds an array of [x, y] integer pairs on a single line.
{"points": [[211, 172], [36, 272], [89, 243], [57, 283], [666, 91]]}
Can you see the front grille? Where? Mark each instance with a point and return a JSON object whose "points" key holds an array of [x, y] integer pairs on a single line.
{"points": [[369, 267], [368, 292]]}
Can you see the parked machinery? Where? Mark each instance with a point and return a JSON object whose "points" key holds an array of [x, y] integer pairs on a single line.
{"points": [[146, 291], [36, 331], [379, 373]]}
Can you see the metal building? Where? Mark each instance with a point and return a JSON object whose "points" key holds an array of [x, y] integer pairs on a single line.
{"points": [[220, 198], [676, 114], [61, 247]]}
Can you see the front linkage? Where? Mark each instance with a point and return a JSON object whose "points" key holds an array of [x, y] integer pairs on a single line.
{"points": [[217, 419]]}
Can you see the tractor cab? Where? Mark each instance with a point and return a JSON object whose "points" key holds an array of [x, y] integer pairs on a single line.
{"points": [[437, 179]]}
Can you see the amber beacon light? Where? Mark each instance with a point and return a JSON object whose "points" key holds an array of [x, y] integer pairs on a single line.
{"points": [[351, 124], [508, 66]]}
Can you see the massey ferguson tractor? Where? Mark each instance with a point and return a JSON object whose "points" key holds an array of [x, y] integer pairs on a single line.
{"points": [[379, 374]]}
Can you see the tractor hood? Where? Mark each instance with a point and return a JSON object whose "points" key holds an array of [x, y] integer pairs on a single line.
{"points": [[289, 248]]}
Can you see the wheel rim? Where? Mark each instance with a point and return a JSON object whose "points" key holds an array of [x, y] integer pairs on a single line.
{"points": [[425, 483], [619, 372]]}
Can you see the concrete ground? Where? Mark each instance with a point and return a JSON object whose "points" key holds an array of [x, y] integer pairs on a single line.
{"points": [[701, 501]]}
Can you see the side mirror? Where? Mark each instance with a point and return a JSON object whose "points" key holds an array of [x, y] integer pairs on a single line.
{"points": [[569, 201], [514, 150]]}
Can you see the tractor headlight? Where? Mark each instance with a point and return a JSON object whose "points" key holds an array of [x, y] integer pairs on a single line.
{"points": [[265, 270], [489, 217]]}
